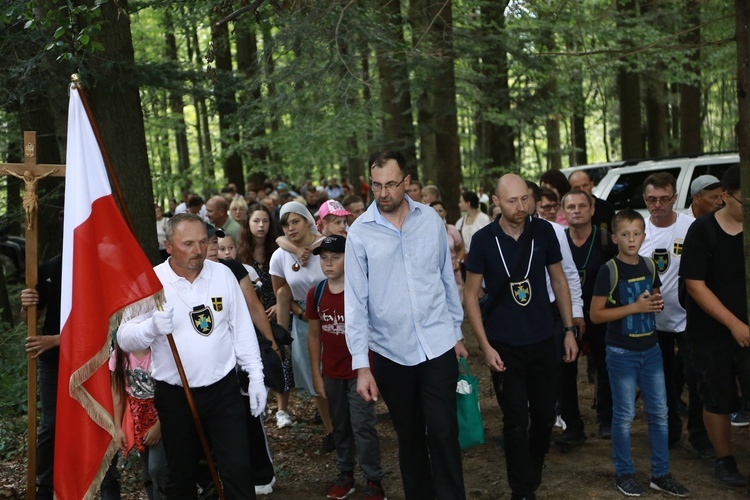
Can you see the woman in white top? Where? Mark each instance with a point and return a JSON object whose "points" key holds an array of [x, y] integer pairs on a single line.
{"points": [[161, 234], [473, 221], [299, 226]]}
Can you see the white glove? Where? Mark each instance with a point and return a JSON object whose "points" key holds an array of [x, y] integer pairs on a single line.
{"points": [[161, 322], [257, 393]]}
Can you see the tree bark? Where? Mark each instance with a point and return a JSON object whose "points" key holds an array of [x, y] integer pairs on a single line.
{"points": [[116, 106], [495, 138], [176, 102], [656, 113], [690, 92], [247, 64], [395, 92], [226, 105], [629, 94]]}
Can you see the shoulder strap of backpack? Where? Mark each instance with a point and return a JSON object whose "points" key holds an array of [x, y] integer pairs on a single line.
{"points": [[652, 269], [319, 292], [614, 276]]}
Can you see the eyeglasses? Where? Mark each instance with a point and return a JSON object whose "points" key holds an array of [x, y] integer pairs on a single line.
{"points": [[651, 200], [547, 208], [735, 198], [389, 186]]}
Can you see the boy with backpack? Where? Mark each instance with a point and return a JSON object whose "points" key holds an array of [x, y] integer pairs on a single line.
{"points": [[353, 418], [626, 297]]}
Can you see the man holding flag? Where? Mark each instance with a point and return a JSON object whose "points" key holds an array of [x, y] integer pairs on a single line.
{"points": [[213, 332]]}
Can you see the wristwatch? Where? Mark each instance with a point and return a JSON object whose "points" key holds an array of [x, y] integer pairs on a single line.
{"points": [[573, 329]]}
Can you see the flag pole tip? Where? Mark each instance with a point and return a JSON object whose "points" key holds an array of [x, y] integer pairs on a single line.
{"points": [[75, 79]]}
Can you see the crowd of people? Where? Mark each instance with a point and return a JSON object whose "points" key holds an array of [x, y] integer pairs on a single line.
{"points": [[374, 285]]}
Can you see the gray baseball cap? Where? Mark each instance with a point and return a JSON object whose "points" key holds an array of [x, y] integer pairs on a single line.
{"points": [[702, 183]]}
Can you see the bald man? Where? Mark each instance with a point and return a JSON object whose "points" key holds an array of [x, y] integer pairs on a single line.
{"points": [[517, 337], [217, 213], [603, 210]]}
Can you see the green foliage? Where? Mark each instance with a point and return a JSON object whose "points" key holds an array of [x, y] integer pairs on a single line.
{"points": [[13, 385]]}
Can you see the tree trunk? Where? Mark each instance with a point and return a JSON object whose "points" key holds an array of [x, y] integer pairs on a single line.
{"points": [[176, 103], [395, 93], [742, 33], [448, 147], [656, 113], [420, 19], [116, 106], [226, 105], [247, 64], [495, 138], [690, 92], [548, 93], [629, 94]]}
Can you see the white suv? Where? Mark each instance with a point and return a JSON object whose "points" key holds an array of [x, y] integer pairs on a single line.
{"points": [[623, 186]]}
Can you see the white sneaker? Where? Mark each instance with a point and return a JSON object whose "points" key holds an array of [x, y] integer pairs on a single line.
{"points": [[266, 489], [559, 422], [283, 419]]}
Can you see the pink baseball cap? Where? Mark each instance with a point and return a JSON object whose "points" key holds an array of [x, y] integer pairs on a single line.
{"points": [[332, 207]]}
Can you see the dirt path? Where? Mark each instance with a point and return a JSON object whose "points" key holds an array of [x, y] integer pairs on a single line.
{"points": [[303, 473]]}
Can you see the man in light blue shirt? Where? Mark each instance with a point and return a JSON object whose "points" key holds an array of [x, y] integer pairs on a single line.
{"points": [[402, 303]]}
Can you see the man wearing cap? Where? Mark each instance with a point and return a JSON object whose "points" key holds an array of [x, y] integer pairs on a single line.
{"points": [[706, 192], [218, 215], [207, 315], [664, 241], [402, 303]]}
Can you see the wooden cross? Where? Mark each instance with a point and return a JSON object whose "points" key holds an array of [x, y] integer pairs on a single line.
{"points": [[31, 172]]}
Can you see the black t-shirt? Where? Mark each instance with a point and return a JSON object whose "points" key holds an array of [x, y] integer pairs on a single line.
{"points": [[635, 332], [49, 287], [236, 267], [589, 258], [711, 255], [603, 213], [510, 322]]}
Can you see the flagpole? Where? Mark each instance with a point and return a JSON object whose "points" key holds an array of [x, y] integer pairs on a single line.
{"points": [[126, 215]]}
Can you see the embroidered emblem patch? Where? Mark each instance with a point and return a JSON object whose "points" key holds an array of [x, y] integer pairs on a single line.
{"points": [[661, 259], [202, 320], [521, 292], [677, 246], [217, 303]]}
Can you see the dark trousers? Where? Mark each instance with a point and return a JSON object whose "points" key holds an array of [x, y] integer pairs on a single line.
{"points": [[220, 407], [353, 428], [668, 343], [595, 336], [526, 392], [422, 402], [260, 455], [697, 434], [45, 445], [568, 386]]}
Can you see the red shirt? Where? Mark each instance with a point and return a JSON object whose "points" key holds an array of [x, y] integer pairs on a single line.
{"points": [[336, 360]]}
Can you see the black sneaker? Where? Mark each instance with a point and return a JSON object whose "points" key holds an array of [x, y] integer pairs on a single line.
{"points": [[327, 446], [704, 449], [629, 486], [670, 485], [571, 438], [725, 470]]}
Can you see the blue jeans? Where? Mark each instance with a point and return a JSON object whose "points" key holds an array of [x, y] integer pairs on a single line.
{"points": [[628, 369]]}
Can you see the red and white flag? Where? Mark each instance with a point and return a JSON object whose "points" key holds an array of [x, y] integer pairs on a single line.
{"points": [[104, 271]]}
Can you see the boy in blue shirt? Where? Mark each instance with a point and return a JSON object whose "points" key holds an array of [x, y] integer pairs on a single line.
{"points": [[626, 297]]}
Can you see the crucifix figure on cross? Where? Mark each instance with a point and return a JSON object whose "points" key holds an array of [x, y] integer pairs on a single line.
{"points": [[30, 172], [30, 198]]}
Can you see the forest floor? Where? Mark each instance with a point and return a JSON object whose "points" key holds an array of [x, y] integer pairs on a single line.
{"points": [[303, 473]]}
